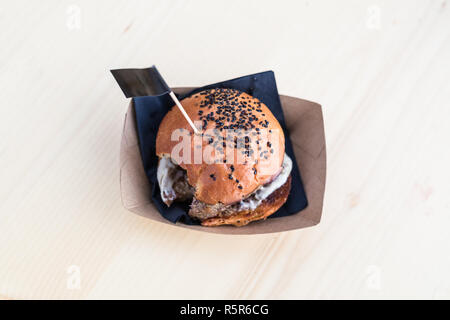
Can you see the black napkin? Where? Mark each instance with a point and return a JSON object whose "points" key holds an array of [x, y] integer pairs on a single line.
{"points": [[150, 110]]}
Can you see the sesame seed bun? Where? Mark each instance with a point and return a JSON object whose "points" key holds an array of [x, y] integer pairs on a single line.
{"points": [[256, 152]]}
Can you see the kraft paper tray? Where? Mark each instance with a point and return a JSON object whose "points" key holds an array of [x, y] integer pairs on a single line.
{"points": [[304, 122]]}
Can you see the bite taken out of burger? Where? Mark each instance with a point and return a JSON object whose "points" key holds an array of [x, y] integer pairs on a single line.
{"points": [[236, 170]]}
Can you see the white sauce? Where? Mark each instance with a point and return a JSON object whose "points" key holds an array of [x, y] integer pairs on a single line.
{"points": [[255, 199], [167, 174]]}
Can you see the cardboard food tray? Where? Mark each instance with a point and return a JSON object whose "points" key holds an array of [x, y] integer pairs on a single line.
{"points": [[304, 122]]}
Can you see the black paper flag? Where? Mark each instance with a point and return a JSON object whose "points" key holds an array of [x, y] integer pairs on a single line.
{"points": [[140, 82]]}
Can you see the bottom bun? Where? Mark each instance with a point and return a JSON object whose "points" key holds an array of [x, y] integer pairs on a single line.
{"points": [[268, 206]]}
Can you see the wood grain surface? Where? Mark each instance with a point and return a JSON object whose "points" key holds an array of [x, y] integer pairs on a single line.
{"points": [[381, 71]]}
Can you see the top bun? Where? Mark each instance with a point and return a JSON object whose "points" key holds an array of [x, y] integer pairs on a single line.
{"points": [[241, 146]]}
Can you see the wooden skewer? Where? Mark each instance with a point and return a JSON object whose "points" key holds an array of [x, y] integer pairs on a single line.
{"points": [[175, 99]]}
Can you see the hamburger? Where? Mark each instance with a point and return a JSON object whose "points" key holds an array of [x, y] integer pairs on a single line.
{"points": [[234, 172]]}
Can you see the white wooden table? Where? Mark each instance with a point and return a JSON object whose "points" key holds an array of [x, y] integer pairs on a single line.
{"points": [[381, 70]]}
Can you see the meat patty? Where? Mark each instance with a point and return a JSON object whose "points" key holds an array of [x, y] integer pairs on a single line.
{"points": [[202, 211], [183, 190]]}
